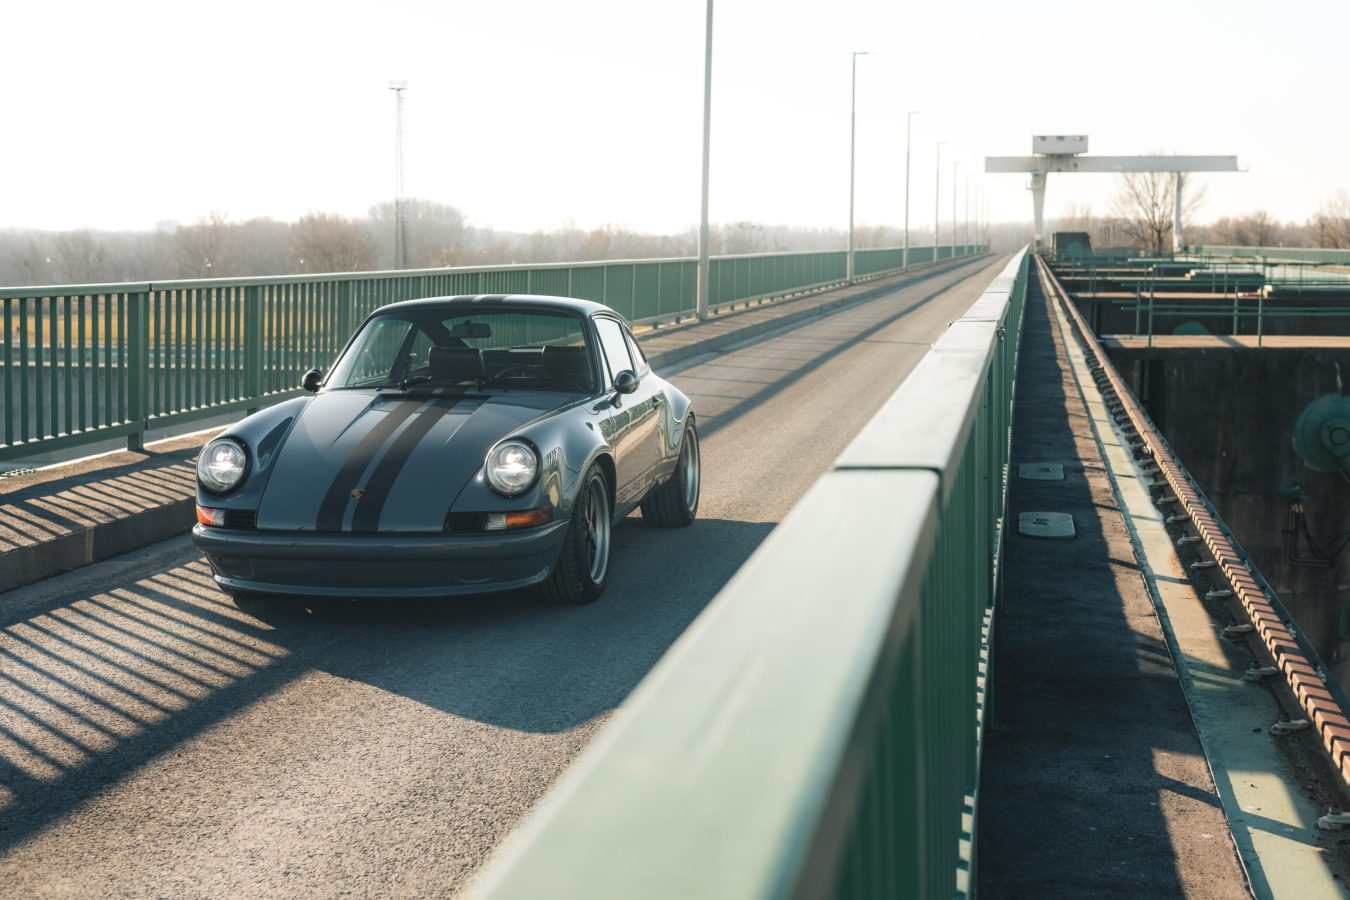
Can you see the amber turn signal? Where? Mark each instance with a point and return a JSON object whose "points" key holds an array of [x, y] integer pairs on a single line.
{"points": [[527, 519], [213, 517]]}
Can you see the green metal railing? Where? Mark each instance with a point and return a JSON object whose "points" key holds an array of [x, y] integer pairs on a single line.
{"points": [[90, 362], [816, 731], [1283, 254], [1197, 294]]}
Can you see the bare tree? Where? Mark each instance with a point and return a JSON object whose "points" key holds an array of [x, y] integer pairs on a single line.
{"points": [[206, 248], [324, 242], [1331, 224], [1144, 203], [1256, 229], [28, 261], [1078, 217], [81, 257]]}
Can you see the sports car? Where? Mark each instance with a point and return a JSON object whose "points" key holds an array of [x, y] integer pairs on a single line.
{"points": [[458, 445]]}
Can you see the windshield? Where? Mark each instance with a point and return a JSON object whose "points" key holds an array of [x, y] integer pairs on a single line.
{"points": [[537, 350]]}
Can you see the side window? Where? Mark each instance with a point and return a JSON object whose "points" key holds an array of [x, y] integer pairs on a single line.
{"points": [[614, 347], [418, 354], [635, 351]]}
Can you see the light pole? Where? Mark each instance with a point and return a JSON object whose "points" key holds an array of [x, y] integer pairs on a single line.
{"points": [[400, 222], [937, 205], [965, 230], [909, 123], [852, 154], [956, 167], [701, 301]]}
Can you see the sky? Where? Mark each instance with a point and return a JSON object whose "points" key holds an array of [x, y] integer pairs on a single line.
{"points": [[539, 115]]}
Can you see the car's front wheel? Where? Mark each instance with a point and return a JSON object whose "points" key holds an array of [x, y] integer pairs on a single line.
{"points": [[583, 566], [675, 503]]}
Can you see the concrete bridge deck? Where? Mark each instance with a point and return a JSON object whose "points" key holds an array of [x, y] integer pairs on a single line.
{"points": [[155, 736]]}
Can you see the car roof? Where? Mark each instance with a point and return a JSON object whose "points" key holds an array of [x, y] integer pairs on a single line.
{"points": [[481, 301]]}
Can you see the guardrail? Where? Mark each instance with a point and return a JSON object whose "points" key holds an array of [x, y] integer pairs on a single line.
{"points": [[1211, 297], [1283, 254], [816, 731], [90, 362]]}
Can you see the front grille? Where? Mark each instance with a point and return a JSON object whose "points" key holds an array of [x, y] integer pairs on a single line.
{"points": [[241, 519], [464, 523]]}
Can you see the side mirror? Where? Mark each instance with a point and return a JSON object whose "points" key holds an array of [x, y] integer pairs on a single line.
{"points": [[313, 378], [626, 382]]}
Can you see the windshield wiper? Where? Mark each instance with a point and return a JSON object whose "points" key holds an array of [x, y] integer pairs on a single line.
{"points": [[407, 383]]}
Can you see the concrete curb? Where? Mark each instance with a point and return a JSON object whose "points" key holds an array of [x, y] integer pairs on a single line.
{"points": [[94, 543], [98, 541]]}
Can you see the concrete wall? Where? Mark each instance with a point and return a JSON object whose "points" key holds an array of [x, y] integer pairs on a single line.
{"points": [[1229, 414]]}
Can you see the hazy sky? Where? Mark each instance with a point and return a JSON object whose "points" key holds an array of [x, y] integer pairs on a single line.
{"points": [[535, 114]]}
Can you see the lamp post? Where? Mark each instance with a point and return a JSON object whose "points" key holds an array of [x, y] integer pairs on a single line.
{"points": [[400, 220], [937, 204], [909, 123], [852, 154], [965, 230], [956, 182], [701, 298]]}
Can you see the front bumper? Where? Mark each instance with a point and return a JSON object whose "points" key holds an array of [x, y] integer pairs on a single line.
{"points": [[384, 565]]}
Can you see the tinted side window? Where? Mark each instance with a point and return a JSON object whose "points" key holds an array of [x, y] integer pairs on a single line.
{"points": [[635, 351], [614, 347]]}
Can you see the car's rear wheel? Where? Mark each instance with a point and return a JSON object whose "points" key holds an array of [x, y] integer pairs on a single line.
{"points": [[583, 566], [675, 503]]}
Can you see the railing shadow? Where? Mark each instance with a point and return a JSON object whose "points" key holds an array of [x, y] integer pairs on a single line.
{"points": [[98, 684]]}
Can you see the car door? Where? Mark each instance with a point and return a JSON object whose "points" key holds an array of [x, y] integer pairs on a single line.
{"points": [[632, 420]]}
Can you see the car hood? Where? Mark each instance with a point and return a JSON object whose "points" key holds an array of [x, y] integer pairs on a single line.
{"points": [[361, 461]]}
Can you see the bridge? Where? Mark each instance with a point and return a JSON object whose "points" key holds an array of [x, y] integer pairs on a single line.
{"points": [[988, 593]]}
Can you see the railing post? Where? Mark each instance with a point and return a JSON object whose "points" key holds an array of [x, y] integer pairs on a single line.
{"points": [[136, 367], [253, 345], [344, 316]]}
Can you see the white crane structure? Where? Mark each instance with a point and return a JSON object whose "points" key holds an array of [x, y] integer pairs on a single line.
{"points": [[1064, 153]]}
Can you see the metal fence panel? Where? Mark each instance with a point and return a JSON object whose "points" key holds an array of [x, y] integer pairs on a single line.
{"points": [[85, 363]]}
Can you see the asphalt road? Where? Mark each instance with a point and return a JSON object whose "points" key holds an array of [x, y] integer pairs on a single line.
{"points": [[157, 740]]}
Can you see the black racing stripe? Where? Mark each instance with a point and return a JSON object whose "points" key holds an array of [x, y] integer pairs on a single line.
{"points": [[381, 483], [335, 502]]}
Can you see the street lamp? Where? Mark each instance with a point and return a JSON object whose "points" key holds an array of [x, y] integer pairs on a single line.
{"points": [[852, 154], [701, 298], [400, 214], [909, 122], [937, 203], [965, 231], [956, 167]]}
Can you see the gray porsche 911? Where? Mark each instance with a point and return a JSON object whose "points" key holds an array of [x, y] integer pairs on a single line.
{"points": [[459, 445]]}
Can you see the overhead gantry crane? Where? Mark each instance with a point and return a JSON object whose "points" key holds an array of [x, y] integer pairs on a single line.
{"points": [[1064, 153]]}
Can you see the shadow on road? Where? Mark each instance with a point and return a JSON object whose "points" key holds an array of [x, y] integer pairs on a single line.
{"points": [[96, 686]]}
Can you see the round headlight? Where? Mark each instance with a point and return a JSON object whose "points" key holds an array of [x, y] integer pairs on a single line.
{"points": [[221, 466], [511, 467]]}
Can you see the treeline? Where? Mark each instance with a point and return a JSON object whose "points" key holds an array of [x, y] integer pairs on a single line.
{"points": [[438, 235], [1329, 227]]}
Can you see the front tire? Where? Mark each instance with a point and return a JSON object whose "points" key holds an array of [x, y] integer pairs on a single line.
{"points": [[675, 503], [582, 570]]}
